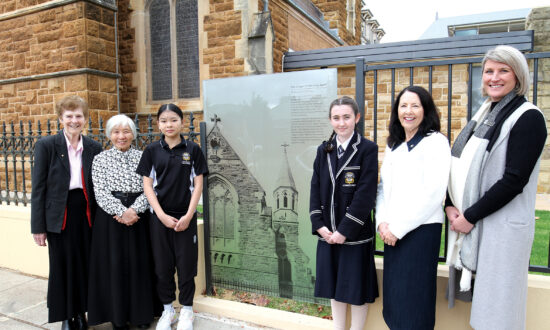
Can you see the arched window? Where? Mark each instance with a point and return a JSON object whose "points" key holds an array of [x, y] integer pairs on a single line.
{"points": [[174, 50], [285, 201], [223, 207]]}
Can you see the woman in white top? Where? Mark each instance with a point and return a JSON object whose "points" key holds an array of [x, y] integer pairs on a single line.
{"points": [[409, 212]]}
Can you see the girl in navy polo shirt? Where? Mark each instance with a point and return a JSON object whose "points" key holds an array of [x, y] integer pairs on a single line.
{"points": [[343, 192], [173, 170]]}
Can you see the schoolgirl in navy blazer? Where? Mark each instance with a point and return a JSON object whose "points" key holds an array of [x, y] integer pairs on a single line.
{"points": [[343, 191]]}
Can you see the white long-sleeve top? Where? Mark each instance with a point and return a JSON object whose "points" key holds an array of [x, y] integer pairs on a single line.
{"points": [[413, 183]]}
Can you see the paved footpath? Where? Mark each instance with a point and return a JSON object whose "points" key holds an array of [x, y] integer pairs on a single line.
{"points": [[23, 306]]}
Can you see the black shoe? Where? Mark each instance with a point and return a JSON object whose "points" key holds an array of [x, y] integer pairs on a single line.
{"points": [[80, 322], [122, 327], [67, 325], [144, 326]]}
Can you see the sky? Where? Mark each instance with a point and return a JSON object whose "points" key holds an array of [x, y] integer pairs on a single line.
{"points": [[407, 20]]}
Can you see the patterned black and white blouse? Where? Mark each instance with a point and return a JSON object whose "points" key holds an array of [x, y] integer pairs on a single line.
{"points": [[114, 170]]}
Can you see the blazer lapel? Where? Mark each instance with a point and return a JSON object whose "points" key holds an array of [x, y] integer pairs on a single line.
{"points": [[87, 156], [61, 149], [348, 154], [333, 160]]}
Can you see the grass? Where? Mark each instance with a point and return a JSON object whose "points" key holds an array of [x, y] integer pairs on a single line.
{"points": [[284, 304], [539, 252]]}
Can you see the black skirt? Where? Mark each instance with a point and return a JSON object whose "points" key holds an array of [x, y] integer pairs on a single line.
{"points": [[122, 288], [69, 255], [346, 273], [410, 279]]}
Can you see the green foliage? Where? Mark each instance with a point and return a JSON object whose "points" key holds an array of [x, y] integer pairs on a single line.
{"points": [[284, 304]]}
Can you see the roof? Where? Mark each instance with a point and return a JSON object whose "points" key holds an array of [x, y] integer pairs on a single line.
{"points": [[439, 27], [285, 178]]}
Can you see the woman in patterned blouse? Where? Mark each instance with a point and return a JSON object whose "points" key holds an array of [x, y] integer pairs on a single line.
{"points": [[121, 287]]}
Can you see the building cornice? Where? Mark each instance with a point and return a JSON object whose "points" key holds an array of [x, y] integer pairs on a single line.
{"points": [[109, 4]]}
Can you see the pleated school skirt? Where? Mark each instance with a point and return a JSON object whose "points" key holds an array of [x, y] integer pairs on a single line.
{"points": [[346, 273]]}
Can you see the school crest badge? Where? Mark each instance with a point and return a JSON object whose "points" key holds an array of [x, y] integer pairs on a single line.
{"points": [[185, 158], [349, 178]]}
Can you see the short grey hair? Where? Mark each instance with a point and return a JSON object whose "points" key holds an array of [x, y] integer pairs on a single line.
{"points": [[513, 58], [120, 120]]}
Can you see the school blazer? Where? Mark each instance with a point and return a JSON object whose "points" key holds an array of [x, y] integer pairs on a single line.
{"points": [[50, 181], [343, 191]]}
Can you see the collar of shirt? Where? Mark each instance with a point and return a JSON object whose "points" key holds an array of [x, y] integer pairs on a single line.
{"points": [[165, 145], [411, 143], [343, 144], [70, 148]]}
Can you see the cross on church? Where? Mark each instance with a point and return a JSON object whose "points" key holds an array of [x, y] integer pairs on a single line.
{"points": [[215, 119]]}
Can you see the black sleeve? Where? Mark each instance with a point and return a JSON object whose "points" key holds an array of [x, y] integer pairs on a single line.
{"points": [[39, 189], [145, 163], [525, 145], [199, 162], [315, 212]]}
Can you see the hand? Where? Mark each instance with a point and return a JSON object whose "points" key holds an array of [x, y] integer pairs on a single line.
{"points": [[452, 213], [129, 217], [461, 225], [39, 239], [336, 238], [184, 222], [325, 233], [386, 235], [167, 220]]}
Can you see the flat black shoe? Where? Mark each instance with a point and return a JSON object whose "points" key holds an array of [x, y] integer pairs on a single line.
{"points": [[67, 325], [143, 326], [80, 322], [122, 327]]}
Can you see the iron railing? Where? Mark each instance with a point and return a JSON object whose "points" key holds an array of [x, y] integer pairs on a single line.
{"points": [[408, 68], [17, 141]]}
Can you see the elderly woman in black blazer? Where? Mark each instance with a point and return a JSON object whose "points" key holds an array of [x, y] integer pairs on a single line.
{"points": [[62, 209]]}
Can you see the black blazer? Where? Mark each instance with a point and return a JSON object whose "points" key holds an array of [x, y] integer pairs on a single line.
{"points": [[343, 191], [50, 181]]}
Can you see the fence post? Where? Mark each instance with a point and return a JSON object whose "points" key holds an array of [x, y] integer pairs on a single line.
{"points": [[205, 217], [360, 92]]}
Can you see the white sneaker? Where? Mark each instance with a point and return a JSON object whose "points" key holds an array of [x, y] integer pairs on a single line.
{"points": [[186, 319], [166, 320]]}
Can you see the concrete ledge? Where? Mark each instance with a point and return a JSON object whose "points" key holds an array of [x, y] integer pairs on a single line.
{"points": [[264, 316], [19, 251]]}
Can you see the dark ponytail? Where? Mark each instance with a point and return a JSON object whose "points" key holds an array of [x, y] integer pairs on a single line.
{"points": [[328, 144]]}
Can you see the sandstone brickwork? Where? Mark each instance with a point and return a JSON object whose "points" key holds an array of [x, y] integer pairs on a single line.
{"points": [[52, 41], [539, 21]]}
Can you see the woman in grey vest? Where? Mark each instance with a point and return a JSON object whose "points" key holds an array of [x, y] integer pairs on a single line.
{"points": [[492, 190]]}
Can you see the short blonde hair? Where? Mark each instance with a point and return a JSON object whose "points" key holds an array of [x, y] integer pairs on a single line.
{"points": [[122, 121], [71, 103], [513, 58]]}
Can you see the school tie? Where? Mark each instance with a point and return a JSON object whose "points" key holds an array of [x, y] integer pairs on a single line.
{"points": [[340, 152]]}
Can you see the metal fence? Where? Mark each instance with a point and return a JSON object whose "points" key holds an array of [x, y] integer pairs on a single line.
{"points": [[362, 69], [17, 141]]}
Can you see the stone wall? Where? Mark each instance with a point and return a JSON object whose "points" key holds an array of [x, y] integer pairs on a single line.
{"points": [[126, 57], [336, 13], [13, 5], [45, 46], [539, 21]]}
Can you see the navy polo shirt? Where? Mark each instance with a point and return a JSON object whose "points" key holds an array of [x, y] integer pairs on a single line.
{"points": [[173, 171]]}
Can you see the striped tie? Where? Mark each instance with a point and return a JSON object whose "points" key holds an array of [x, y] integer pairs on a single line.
{"points": [[340, 152]]}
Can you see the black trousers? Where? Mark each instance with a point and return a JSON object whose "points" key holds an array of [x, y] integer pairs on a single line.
{"points": [[69, 253], [175, 251]]}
